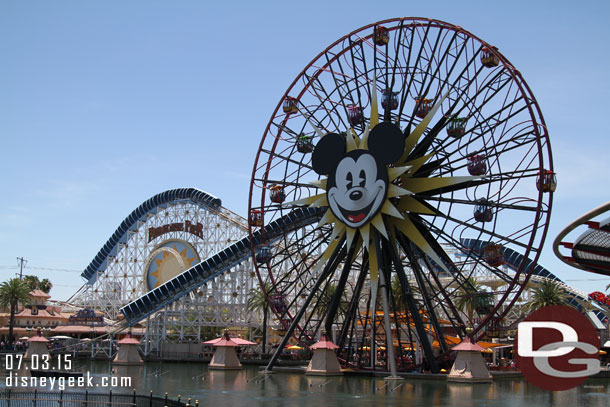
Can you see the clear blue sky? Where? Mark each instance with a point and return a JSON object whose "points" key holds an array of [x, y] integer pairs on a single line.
{"points": [[106, 103]]}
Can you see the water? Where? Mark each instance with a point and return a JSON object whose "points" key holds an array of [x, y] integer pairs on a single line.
{"points": [[248, 387]]}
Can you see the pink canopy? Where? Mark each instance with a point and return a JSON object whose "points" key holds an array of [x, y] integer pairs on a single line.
{"points": [[324, 344], [38, 339], [468, 346], [129, 341], [226, 340]]}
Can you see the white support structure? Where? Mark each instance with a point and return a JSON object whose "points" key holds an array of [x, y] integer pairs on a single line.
{"points": [[220, 303]]}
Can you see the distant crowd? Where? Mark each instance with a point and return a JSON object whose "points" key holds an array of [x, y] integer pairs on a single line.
{"points": [[15, 345]]}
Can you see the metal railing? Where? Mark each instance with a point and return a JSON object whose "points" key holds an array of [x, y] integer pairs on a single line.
{"points": [[42, 398]]}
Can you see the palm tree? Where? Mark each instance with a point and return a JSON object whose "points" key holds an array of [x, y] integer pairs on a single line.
{"points": [[471, 296], [45, 285], [259, 301], [13, 292], [399, 295], [31, 281], [546, 293]]}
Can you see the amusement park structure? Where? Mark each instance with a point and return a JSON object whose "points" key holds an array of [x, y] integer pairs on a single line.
{"points": [[164, 236], [407, 161], [591, 250], [412, 135]]}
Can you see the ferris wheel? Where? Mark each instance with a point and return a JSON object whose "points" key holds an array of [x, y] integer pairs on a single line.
{"points": [[409, 136]]}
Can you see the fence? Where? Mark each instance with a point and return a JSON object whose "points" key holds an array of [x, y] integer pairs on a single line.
{"points": [[42, 398]]}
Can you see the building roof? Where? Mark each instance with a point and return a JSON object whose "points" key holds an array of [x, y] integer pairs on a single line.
{"points": [[129, 341], [226, 340], [38, 338], [467, 345], [323, 343], [39, 293], [42, 314]]}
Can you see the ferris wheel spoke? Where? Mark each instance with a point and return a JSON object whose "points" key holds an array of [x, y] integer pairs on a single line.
{"points": [[358, 56], [490, 233], [335, 258], [423, 62], [407, 85], [492, 204], [395, 65], [439, 63], [445, 302], [324, 99], [450, 187], [339, 290], [419, 278], [353, 306], [411, 306], [340, 80], [287, 159], [404, 90]]}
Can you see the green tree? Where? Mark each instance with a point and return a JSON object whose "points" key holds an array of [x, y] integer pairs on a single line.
{"points": [[33, 282], [546, 293], [257, 302], [399, 295], [45, 285], [13, 292], [471, 297]]}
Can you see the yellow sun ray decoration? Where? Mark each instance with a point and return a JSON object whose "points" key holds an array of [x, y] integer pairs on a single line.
{"points": [[390, 216], [367, 184]]}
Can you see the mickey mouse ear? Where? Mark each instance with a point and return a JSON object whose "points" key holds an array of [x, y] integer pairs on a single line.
{"points": [[386, 143], [327, 153]]}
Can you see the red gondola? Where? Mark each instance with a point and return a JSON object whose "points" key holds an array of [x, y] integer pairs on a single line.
{"points": [[389, 98], [423, 107], [278, 302], [290, 105], [304, 143], [482, 211], [355, 115], [381, 36], [546, 181], [456, 127], [492, 253], [277, 194], [477, 164], [256, 218], [264, 255], [489, 58]]}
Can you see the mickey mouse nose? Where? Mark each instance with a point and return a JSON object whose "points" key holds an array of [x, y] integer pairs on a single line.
{"points": [[355, 195]]}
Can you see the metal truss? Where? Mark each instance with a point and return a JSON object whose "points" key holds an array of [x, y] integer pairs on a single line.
{"points": [[220, 303]]}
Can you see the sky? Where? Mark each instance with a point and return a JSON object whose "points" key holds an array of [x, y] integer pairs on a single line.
{"points": [[104, 104]]}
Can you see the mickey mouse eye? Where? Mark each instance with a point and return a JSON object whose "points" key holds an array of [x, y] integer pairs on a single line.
{"points": [[362, 178], [350, 180]]}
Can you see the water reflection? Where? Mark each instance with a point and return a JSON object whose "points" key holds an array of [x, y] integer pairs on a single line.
{"points": [[248, 386]]}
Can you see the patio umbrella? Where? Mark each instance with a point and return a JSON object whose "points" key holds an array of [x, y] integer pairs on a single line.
{"points": [[61, 337], [294, 347]]}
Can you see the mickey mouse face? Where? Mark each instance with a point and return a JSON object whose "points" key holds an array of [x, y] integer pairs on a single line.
{"points": [[359, 189], [358, 181]]}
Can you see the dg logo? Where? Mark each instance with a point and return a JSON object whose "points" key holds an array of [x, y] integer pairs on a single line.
{"points": [[556, 348]]}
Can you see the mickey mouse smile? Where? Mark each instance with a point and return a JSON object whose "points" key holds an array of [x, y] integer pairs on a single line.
{"points": [[355, 217]]}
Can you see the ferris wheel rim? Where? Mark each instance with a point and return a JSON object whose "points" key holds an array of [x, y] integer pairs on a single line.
{"points": [[534, 111]]}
